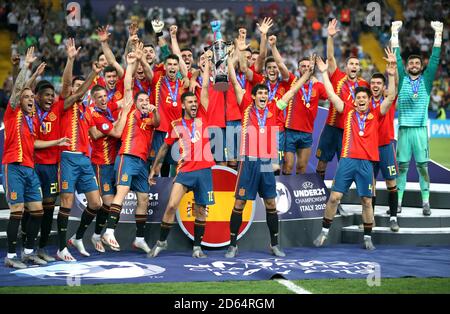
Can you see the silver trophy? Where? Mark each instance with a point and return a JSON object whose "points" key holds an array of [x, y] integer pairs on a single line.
{"points": [[219, 49]]}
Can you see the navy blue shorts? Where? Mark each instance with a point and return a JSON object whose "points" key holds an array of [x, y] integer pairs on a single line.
{"points": [[388, 162], [297, 140], [105, 175], [48, 176], [217, 141], [200, 182], [354, 170], [281, 146], [233, 139], [132, 171], [76, 173], [330, 143], [255, 175], [21, 184]]}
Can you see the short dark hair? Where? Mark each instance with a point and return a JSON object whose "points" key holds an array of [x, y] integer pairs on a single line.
{"points": [[149, 45], [97, 88], [414, 57], [249, 50], [99, 55], [379, 76], [363, 89], [78, 78], [41, 85], [351, 57], [303, 59], [186, 49], [137, 95], [268, 60], [258, 87], [256, 51], [186, 94], [173, 57], [109, 69]]}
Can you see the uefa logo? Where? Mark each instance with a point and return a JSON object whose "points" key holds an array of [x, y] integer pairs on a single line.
{"points": [[283, 199]]}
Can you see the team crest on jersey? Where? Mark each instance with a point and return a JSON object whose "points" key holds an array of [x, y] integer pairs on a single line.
{"points": [[318, 153], [118, 95], [52, 116], [241, 192], [106, 187], [370, 116], [65, 185], [105, 126], [125, 177], [282, 90], [13, 196], [269, 115]]}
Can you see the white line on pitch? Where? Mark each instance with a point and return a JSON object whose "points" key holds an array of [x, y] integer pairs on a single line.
{"points": [[292, 286]]}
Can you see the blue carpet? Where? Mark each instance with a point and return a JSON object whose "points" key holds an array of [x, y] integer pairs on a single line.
{"points": [[340, 261]]}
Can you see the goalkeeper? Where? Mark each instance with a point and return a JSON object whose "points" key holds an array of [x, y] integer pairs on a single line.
{"points": [[413, 99]]}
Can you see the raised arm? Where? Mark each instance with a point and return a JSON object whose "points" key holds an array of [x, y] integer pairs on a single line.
{"points": [[391, 70], [294, 89], [21, 78], [232, 74], [263, 29], [15, 61], [158, 26], [278, 59], [204, 94], [139, 52], [127, 83], [71, 52], [323, 68], [433, 63], [133, 39], [38, 72], [395, 28], [103, 36], [68, 102], [332, 31], [176, 49]]}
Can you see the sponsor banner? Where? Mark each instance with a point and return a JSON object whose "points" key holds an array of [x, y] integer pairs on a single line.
{"points": [[439, 128]]}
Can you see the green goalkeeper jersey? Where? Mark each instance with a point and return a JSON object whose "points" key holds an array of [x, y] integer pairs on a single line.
{"points": [[414, 96]]}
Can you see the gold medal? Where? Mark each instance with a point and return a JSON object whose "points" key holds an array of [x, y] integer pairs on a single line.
{"points": [[261, 130], [308, 105], [174, 104], [361, 133], [415, 95]]}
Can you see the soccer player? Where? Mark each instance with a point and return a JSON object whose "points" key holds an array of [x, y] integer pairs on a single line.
{"points": [[216, 111], [194, 169], [167, 90], [22, 186], [49, 113], [344, 85], [258, 148], [360, 149], [76, 171], [130, 165], [415, 87], [386, 148], [105, 133], [300, 117]]}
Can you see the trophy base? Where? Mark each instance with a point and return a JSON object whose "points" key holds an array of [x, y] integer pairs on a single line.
{"points": [[221, 83]]}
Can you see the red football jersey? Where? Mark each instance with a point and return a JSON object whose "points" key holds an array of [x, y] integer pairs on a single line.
{"points": [[343, 87], [386, 130], [19, 138], [232, 110], [255, 143], [75, 125], [216, 106], [302, 114], [137, 135], [354, 143], [48, 129], [104, 149], [169, 109], [195, 149]]}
